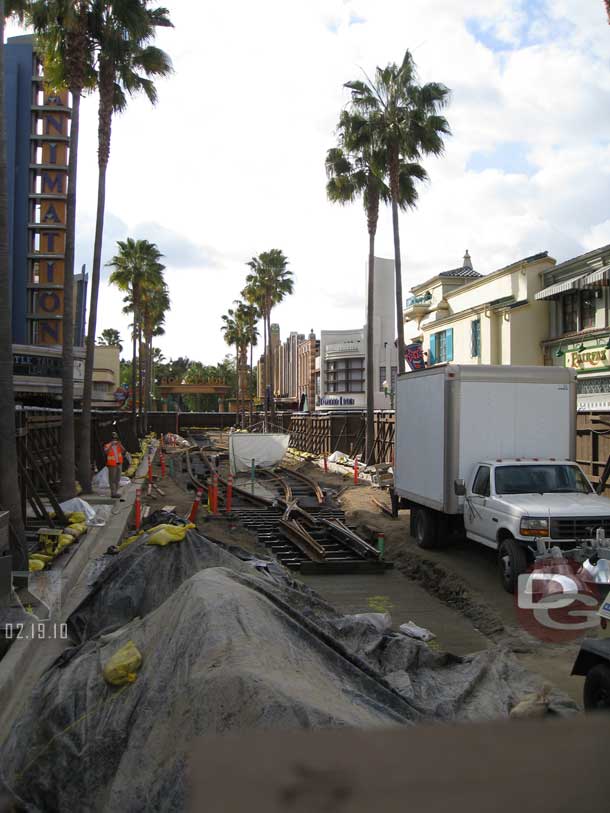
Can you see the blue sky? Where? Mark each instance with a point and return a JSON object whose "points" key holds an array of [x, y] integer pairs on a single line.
{"points": [[231, 161]]}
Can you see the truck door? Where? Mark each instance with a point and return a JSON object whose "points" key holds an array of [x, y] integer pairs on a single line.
{"points": [[477, 511]]}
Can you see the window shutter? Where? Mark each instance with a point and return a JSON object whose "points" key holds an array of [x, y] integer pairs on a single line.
{"points": [[432, 351], [449, 344], [473, 338]]}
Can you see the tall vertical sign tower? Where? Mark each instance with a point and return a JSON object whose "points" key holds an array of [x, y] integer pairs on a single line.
{"points": [[47, 209]]}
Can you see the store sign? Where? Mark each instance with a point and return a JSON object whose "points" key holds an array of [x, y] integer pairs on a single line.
{"points": [[36, 366], [592, 358], [341, 401], [48, 218], [414, 355]]}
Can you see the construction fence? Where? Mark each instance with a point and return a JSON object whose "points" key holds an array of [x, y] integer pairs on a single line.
{"points": [[39, 438]]}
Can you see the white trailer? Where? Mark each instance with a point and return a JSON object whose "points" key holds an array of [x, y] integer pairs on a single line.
{"points": [[488, 451]]}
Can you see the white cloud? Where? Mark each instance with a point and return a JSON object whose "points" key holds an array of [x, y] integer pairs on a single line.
{"points": [[231, 162]]}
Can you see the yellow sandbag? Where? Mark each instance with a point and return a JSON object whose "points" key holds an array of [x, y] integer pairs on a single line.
{"points": [[64, 541], [42, 557], [77, 517], [165, 534], [35, 564], [123, 665], [76, 529], [127, 542]]}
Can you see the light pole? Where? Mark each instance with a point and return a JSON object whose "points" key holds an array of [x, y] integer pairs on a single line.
{"points": [[388, 391]]}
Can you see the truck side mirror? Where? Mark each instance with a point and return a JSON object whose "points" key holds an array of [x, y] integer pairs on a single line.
{"points": [[459, 486]]}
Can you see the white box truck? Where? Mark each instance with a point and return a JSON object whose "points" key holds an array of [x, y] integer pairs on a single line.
{"points": [[488, 451]]}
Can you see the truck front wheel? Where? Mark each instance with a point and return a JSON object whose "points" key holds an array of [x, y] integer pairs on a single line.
{"points": [[512, 562], [426, 529], [596, 692]]}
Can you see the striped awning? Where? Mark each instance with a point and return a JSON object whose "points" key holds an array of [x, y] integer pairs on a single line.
{"points": [[560, 287], [595, 278]]}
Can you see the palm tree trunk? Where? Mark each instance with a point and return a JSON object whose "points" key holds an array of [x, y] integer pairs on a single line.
{"points": [[271, 374], [9, 483], [264, 372], [84, 467], [68, 462], [370, 374], [146, 384], [237, 385], [149, 398], [104, 132], [140, 376], [251, 382], [400, 325], [134, 418]]}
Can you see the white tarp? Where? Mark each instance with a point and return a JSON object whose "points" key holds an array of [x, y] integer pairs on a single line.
{"points": [[265, 448]]}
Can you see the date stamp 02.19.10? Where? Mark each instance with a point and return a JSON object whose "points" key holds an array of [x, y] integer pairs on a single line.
{"points": [[34, 631]]}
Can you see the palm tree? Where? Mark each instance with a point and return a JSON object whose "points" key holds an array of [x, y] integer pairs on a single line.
{"points": [[110, 337], [155, 304], [236, 333], [136, 266], [249, 316], [357, 167], [9, 484], [125, 63], [405, 116], [268, 282], [63, 33]]}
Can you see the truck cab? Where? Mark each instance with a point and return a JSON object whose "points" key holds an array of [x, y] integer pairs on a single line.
{"points": [[508, 504]]}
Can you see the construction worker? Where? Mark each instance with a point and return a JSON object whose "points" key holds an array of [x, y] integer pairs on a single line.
{"points": [[114, 461]]}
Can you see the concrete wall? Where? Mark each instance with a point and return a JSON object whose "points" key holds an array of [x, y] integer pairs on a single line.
{"points": [[385, 354]]}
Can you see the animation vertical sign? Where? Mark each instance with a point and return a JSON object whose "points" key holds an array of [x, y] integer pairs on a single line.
{"points": [[50, 140]]}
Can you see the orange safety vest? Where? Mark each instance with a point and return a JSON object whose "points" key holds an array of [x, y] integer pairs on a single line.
{"points": [[114, 454]]}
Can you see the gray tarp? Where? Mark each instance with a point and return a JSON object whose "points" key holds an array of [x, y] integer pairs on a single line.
{"points": [[236, 646]]}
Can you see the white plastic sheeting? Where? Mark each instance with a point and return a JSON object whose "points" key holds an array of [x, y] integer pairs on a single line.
{"points": [[265, 448]]}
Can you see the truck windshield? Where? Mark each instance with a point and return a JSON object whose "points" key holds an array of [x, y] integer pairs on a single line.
{"points": [[544, 479]]}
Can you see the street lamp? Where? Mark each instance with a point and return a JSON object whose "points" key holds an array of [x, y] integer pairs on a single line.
{"points": [[388, 391]]}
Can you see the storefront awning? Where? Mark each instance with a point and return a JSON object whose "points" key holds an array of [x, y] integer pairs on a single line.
{"points": [[560, 287], [595, 278]]}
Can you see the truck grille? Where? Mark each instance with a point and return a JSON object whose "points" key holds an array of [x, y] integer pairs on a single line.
{"points": [[578, 527]]}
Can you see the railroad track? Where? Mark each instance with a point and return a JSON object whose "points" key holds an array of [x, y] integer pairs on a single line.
{"points": [[301, 526]]}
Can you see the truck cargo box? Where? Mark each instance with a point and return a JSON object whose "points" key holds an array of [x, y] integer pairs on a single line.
{"points": [[451, 416]]}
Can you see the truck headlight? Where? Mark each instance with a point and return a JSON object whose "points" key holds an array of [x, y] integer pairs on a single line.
{"points": [[534, 526]]}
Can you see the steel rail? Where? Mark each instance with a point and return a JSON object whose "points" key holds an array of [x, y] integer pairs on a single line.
{"points": [[298, 475]]}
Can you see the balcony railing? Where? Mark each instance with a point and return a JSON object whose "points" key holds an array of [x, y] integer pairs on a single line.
{"points": [[418, 301]]}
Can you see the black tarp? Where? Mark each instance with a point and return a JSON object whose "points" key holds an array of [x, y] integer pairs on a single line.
{"points": [[229, 643]]}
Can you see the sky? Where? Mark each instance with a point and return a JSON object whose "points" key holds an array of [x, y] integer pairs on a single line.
{"points": [[230, 162]]}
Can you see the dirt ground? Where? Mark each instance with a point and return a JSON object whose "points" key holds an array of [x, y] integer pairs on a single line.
{"points": [[462, 576]]}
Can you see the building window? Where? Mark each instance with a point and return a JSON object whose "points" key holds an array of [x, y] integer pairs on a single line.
{"points": [[441, 347], [382, 377], [570, 312], [345, 375], [475, 338], [587, 309]]}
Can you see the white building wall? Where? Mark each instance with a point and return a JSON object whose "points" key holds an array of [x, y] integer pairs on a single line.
{"points": [[384, 327]]}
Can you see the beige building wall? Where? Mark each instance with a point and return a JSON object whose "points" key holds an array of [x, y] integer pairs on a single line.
{"points": [[106, 374], [513, 324]]}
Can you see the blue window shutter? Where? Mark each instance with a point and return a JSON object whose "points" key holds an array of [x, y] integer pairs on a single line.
{"points": [[449, 344], [432, 351]]}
